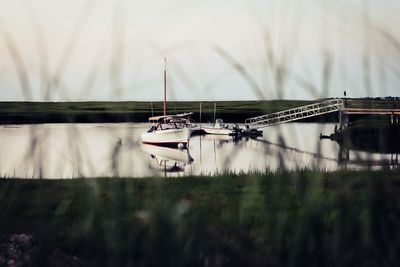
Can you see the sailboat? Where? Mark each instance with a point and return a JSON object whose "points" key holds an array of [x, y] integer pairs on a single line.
{"points": [[168, 130]]}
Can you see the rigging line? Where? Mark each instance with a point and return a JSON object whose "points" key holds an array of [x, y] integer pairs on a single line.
{"points": [[173, 85], [171, 82]]}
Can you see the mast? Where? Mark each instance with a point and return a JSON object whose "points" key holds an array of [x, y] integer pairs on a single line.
{"points": [[215, 108], [165, 86], [200, 115]]}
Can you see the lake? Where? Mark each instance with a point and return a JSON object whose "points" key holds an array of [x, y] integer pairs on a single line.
{"points": [[111, 150]]}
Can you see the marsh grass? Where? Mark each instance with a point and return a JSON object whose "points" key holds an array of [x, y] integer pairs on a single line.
{"points": [[135, 111], [285, 218], [132, 111]]}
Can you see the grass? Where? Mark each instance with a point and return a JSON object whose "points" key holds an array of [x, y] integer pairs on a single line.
{"points": [[133, 111], [298, 218], [26, 112]]}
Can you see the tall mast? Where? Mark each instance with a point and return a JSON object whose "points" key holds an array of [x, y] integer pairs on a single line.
{"points": [[165, 86], [215, 108]]}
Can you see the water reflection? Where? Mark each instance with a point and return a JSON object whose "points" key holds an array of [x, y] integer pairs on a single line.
{"points": [[367, 145], [110, 150], [166, 159]]}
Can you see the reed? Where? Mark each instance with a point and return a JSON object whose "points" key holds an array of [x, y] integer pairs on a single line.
{"points": [[282, 218]]}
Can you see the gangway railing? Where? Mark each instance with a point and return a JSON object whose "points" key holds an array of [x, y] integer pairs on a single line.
{"points": [[294, 114]]}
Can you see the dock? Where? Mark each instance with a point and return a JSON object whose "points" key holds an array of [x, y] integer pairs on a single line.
{"points": [[393, 113]]}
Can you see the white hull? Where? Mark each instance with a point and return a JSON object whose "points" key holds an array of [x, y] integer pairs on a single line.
{"points": [[166, 137], [218, 131]]}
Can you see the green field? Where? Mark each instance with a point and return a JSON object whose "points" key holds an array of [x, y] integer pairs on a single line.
{"points": [[132, 111], [281, 219]]}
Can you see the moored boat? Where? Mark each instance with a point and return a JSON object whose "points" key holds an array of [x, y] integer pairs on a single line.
{"points": [[218, 128], [246, 132], [168, 130]]}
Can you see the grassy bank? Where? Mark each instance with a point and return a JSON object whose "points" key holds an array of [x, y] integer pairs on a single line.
{"points": [[282, 219], [131, 111]]}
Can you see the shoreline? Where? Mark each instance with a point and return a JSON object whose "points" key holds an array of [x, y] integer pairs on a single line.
{"points": [[140, 111]]}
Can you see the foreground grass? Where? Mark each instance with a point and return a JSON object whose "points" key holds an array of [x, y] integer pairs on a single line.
{"points": [[291, 219]]}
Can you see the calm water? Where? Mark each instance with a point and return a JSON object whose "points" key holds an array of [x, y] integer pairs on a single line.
{"points": [[93, 150]]}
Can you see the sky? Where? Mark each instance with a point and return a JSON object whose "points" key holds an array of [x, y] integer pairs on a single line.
{"points": [[215, 49]]}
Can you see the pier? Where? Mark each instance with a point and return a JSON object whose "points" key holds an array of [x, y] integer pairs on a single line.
{"points": [[317, 109], [295, 114], [393, 113]]}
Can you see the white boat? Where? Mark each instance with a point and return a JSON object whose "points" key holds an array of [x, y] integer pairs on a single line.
{"points": [[168, 130], [218, 128]]}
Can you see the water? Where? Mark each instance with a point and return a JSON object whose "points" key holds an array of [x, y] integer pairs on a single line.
{"points": [[104, 150]]}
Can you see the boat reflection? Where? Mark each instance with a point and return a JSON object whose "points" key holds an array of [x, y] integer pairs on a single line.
{"points": [[166, 159], [219, 140]]}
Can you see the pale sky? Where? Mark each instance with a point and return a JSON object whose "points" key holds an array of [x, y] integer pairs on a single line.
{"points": [[215, 49]]}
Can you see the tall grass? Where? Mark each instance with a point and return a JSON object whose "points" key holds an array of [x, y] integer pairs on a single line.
{"points": [[300, 218]]}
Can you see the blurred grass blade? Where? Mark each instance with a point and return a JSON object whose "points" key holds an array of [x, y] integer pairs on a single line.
{"points": [[16, 57]]}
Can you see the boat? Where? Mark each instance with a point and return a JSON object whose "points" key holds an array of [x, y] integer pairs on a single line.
{"points": [[218, 128], [246, 132], [168, 130]]}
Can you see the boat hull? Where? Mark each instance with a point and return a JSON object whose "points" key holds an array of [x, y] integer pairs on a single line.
{"points": [[217, 131], [168, 137]]}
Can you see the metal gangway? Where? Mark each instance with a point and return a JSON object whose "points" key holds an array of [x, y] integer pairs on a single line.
{"points": [[294, 114]]}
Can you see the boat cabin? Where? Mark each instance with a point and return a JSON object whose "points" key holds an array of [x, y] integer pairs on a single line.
{"points": [[178, 121]]}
